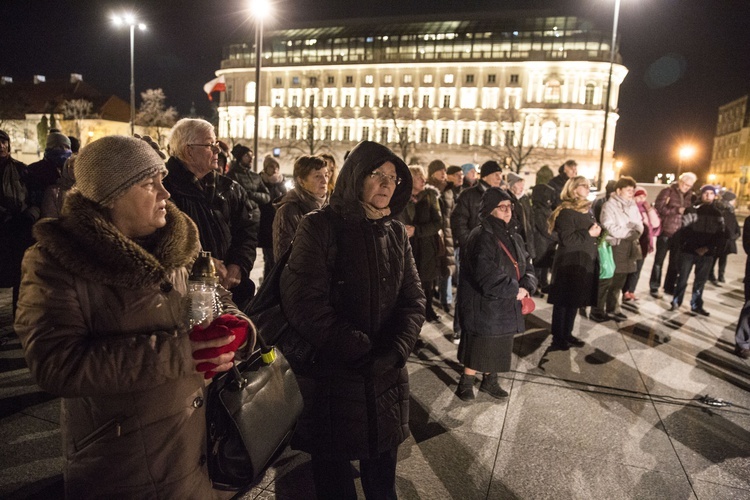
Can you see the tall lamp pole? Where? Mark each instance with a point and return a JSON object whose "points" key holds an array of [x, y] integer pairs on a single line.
{"points": [[260, 10], [130, 20], [609, 91]]}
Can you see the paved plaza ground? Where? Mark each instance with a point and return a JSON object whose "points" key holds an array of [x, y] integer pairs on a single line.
{"points": [[616, 419]]}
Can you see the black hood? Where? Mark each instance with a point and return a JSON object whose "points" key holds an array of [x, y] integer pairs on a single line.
{"points": [[363, 159]]}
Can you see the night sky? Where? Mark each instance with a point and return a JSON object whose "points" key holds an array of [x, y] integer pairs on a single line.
{"points": [[685, 57]]}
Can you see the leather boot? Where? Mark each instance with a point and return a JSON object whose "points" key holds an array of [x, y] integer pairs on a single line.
{"points": [[491, 386], [465, 389]]}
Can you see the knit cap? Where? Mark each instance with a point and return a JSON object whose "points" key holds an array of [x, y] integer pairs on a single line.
{"points": [[57, 140], [238, 151], [108, 167], [728, 196], [491, 198], [512, 178], [708, 187], [454, 169], [435, 166], [489, 167], [468, 166], [640, 192]]}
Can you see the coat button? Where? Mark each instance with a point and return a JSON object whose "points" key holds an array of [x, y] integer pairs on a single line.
{"points": [[202, 460], [198, 402]]}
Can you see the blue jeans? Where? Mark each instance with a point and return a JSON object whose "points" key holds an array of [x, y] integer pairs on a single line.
{"points": [[702, 269]]}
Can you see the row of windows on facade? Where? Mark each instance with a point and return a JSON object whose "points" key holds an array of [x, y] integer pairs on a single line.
{"points": [[552, 95], [428, 78], [401, 134]]}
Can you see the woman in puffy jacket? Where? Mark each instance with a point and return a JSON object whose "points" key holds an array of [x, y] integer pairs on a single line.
{"points": [[103, 323], [351, 289]]}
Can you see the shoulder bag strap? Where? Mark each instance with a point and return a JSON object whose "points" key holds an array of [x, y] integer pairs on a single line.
{"points": [[515, 263]]}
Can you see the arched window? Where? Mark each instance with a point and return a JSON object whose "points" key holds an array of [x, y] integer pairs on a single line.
{"points": [[589, 99], [552, 91]]}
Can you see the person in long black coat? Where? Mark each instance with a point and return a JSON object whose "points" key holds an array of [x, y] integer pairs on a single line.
{"points": [[352, 290], [542, 198], [575, 271], [489, 295]]}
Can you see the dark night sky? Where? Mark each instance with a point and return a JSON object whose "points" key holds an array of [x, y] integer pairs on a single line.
{"points": [[685, 57]]}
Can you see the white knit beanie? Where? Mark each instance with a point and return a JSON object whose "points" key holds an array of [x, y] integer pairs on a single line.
{"points": [[109, 166]]}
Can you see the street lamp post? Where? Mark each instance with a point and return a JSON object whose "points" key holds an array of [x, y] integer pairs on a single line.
{"points": [[609, 91], [131, 21], [260, 10]]}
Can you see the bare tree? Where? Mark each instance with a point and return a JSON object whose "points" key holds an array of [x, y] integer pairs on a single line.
{"points": [[77, 110], [310, 138], [403, 123], [154, 114], [514, 145]]}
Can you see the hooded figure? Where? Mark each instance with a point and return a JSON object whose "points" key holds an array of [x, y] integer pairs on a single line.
{"points": [[352, 290]]}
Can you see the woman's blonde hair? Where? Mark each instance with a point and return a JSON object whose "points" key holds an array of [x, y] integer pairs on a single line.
{"points": [[570, 199], [417, 171]]}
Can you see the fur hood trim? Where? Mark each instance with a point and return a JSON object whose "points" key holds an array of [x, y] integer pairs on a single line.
{"points": [[87, 244], [434, 189]]}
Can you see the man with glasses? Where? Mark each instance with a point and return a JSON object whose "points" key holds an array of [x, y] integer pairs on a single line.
{"points": [[670, 205], [226, 218]]}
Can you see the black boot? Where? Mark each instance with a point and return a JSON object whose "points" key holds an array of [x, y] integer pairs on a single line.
{"points": [[465, 389], [491, 386]]}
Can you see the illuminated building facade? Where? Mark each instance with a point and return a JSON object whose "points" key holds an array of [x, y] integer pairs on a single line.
{"points": [[462, 90], [730, 159]]}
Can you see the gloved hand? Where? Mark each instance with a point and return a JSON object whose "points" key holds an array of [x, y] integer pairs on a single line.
{"points": [[349, 347], [223, 326], [384, 362]]}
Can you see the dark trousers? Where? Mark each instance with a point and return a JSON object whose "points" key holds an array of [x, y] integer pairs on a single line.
{"points": [[609, 294], [665, 244], [632, 280], [563, 319], [722, 260], [334, 479], [702, 269]]}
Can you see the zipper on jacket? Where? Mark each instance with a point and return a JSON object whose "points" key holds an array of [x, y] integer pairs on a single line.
{"points": [[99, 433]]}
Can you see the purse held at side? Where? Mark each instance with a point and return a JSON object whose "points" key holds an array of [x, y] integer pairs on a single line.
{"points": [[251, 414]]}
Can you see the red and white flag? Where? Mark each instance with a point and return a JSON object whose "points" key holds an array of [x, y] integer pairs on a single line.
{"points": [[215, 85]]}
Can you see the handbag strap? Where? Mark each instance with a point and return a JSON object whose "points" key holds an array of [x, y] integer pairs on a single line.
{"points": [[514, 261]]}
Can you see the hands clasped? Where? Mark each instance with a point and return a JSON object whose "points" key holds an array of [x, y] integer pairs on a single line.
{"points": [[214, 346]]}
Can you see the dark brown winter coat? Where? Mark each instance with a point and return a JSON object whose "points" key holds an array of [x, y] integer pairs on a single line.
{"points": [[289, 211], [364, 283], [101, 320], [427, 220], [668, 203]]}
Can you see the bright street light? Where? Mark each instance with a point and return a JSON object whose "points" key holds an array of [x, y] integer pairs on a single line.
{"points": [[609, 91], [685, 153], [260, 10], [130, 20]]}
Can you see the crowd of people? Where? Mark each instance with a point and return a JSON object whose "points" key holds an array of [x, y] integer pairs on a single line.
{"points": [[373, 250]]}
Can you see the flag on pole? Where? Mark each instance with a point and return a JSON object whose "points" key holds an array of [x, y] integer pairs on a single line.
{"points": [[215, 85]]}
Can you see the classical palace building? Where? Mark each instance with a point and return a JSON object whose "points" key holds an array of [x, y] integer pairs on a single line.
{"points": [[505, 86], [730, 159]]}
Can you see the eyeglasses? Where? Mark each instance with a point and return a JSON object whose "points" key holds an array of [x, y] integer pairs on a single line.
{"points": [[381, 177], [505, 208], [213, 145]]}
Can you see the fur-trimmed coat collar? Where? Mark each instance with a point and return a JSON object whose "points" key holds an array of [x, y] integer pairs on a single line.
{"points": [[86, 243]]}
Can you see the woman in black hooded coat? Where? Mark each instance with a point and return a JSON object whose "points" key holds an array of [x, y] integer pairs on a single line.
{"points": [[489, 295], [352, 290]]}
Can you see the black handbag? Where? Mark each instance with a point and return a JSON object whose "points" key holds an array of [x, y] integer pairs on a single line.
{"points": [[251, 413]]}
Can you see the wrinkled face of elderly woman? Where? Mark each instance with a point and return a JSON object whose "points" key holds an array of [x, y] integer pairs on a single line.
{"points": [[503, 211], [142, 209], [379, 185]]}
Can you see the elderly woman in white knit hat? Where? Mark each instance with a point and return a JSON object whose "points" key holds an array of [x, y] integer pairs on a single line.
{"points": [[102, 321]]}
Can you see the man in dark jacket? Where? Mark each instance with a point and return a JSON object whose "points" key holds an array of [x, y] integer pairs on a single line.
{"points": [[227, 220], [703, 234], [726, 206], [437, 176], [465, 217], [567, 170], [17, 215], [670, 204], [522, 211], [241, 171], [46, 172]]}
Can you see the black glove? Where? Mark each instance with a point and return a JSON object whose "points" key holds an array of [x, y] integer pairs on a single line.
{"points": [[350, 347], [385, 362]]}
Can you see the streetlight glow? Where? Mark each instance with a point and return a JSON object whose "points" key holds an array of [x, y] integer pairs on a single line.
{"points": [[261, 9], [129, 19], [686, 152]]}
